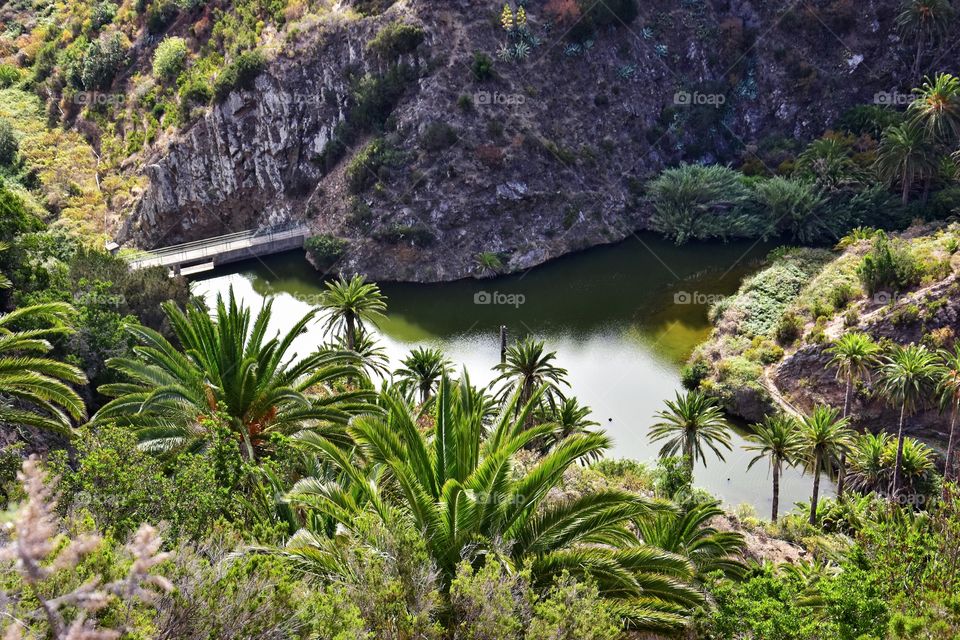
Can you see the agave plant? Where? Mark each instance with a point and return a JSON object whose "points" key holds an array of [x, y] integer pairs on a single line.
{"points": [[35, 390], [461, 485], [225, 365]]}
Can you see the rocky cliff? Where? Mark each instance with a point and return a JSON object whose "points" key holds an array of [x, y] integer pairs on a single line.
{"points": [[545, 154]]}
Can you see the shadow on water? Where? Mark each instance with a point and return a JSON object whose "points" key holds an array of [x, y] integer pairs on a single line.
{"points": [[622, 319]]}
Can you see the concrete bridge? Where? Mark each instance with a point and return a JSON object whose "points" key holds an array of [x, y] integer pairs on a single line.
{"points": [[204, 255]]}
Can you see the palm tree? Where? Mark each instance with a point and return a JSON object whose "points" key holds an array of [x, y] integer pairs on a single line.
{"points": [[689, 424], [907, 153], [916, 464], [777, 438], [907, 378], [422, 370], [371, 356], [226, 366], [461, 485], [923, 20], [567, 417], [853, 355], [528, 366], [868, 471], [948, 388], [824, 436], [688, 533], [937, 108], [35, 390], [349, 305]]}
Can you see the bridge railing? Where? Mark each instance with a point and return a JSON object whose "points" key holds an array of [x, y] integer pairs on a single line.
{"points": [[217, 244]]}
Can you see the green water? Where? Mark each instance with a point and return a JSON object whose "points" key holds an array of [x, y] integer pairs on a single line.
{"points": [[617, 317]]}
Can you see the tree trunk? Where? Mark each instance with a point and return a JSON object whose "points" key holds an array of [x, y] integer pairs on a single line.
{"points": [[842, 474], [776, 490], [899, 460], [905, 194], [351, 332], [948, 464], [816, 490], [916, 59]]}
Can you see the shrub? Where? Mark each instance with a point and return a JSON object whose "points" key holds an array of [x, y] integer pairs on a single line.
{"points": [[170, 58], [690, 201], [325, 250], [239, 74], [372, 7], [364, 169], [418, 235], [438, 136], [790, 207], [889, 267], [789, 329], [195, 91], [693, 373], [9, 146], [9, 75], [103, 59], [396, 39], [481, 66]]}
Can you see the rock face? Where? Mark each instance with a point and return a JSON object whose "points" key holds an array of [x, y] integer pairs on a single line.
{"points": [[806, 379], [546, 156]]}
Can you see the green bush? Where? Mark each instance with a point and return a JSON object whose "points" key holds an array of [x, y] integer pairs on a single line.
{"points": [[889, 267], [195, 91], [325, 250], [789, 328], [365, 167], [692, 374], [102, 60], [481, 66], [396, 39], [694, 201], [9, 75], [438, 136], [239, 74], [9, 145], [170, 58], [789, 207]]}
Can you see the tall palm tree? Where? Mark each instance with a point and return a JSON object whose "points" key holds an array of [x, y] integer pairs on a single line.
{"points": [[528, 366], [226, 365], [422, 370], [916, 464], [350, 305], [948, 388], [371, 356], [923, 20], [907, 154], [690, 423], [461, 485], [824, 436], [778, 439], [35, 390], [689, 534], [907, 378], [868, 470], [567, 417], [853, 354], [937, 108]]}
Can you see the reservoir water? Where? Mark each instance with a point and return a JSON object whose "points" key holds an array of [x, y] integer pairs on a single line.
{"points": [[621, 318]]}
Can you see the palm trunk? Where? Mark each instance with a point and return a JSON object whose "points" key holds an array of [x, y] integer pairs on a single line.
{"points": [[842, 474], [948, 464], [776, 490], [905, 194], [899, 460], [816, 490], [351, 332], [424, 392], [916, 59]]}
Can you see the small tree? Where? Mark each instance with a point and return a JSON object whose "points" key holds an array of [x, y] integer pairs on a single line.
{"points": [[170, 58]]}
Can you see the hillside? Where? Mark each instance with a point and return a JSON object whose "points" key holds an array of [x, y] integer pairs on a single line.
{"points": [[403, 128]]}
